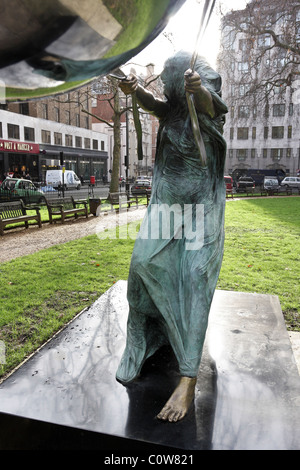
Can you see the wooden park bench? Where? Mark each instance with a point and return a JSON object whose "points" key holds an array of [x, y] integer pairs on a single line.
{"points": [[250, 191], [66, 206], [16, 211], [122, 199], [229, 192]]}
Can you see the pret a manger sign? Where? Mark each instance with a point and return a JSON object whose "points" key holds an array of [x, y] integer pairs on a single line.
{"points": [[22, 147]]}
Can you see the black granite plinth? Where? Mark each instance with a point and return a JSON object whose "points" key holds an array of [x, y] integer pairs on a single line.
{"points": [[248, 390]]}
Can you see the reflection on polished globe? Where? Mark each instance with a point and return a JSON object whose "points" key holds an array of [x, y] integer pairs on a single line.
{"points": [[52, 46]]}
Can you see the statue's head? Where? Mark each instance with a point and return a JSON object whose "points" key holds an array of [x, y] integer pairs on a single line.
{"points": [[172, 75]]}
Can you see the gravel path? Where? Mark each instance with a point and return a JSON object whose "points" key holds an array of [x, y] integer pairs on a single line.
{"points": [[20, 242]]}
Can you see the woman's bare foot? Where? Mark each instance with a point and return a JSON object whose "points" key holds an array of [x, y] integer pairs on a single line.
{"points": [[178, 404]]}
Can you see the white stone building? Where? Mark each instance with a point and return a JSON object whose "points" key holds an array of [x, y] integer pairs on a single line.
{"points": [[262, 124]]}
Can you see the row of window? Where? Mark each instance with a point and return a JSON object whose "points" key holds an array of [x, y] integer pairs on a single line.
{"points": [[278, 110], [59, 115], [276, 133], [13, 132], [274, 153]]}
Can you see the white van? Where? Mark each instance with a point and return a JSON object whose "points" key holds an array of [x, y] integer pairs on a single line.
{"points": [[56, 178]]}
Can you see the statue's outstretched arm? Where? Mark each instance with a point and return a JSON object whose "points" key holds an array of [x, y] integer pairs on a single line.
{"points": [[202, 97], [144, 97]]}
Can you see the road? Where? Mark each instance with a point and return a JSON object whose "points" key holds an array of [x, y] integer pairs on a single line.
{"points": [[86, 191]]}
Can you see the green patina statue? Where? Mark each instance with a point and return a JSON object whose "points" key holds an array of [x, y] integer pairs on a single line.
{"points": [[178, 252]]}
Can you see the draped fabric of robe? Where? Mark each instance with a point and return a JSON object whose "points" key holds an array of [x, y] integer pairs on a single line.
{"points": [[178, 253]]}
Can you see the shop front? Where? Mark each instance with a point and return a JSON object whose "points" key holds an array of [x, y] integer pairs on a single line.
{"points": [[85, 163], [19, 159]]}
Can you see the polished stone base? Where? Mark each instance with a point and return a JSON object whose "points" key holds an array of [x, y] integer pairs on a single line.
{"points": [[248, 390]]}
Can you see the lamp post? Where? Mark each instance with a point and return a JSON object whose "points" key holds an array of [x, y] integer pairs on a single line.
{"points": [[127, 146]]}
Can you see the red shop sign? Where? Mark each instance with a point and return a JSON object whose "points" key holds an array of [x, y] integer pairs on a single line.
{"points": [[20, 147]]}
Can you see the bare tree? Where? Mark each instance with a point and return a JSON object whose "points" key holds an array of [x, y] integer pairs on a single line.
{"points": [[268, 36], [106, 91]]}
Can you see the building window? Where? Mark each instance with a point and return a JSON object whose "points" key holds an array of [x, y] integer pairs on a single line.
{"points": [[253, 132], [290, 131], [244, 89], [276, 154], [278, 110], [87, 143], [46, 137], [242, 154], [13, 131], [244, 111], [291, 109], [67, 117], [69, 140], [277, 132], [78, 141], [44, 111], [57, 138], [56, 114], [245, 44], [230, 153], [243, 66], [254, 111], [252, 153], [232, 111], [266, 132], [29, 133], [102, 145], [265, 153], [86, 122], [264, 40], [288, 153], [24, 108], [95, 144], [231, 133], [78, 120], [242, 133]]}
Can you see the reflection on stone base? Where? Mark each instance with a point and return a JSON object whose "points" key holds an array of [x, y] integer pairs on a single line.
{"points": [[247, 394]]}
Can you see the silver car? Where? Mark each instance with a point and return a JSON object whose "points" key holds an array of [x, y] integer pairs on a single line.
{"points": [[291, 182]]}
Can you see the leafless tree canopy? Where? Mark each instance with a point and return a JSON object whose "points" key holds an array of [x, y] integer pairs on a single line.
{"points": [[267, 34]]}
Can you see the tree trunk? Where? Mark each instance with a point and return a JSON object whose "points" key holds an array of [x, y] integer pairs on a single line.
{"points": [[114, 184]]}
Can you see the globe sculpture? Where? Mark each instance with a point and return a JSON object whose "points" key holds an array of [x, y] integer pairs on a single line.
{"points": [[52, 46]]}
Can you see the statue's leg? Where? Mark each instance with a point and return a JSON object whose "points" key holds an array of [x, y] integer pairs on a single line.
{"points": [[135, 350], [178, 404]]}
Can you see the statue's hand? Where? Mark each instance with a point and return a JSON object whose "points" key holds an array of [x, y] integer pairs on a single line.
{"points": [[192, 81], [129, 85]]}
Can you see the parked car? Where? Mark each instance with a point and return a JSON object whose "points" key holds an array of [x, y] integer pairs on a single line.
{"points": [[13, 189], [141, 187], [243, 183], [291, 182], [228, 182], [271, 184]]}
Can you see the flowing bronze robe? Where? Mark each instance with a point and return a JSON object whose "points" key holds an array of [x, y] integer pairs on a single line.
{"points": [[172, 275]]}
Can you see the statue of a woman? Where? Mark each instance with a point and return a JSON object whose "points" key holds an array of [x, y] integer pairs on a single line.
{"points": [[172, 280]]}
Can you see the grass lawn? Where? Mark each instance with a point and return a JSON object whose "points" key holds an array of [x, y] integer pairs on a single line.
{"points": [[262, 251], [41, 292]]}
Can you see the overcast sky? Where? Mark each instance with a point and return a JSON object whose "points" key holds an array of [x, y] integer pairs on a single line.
{"points": [[184, 28]]}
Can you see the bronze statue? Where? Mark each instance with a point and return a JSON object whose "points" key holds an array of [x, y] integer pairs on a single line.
{"points": [[172, 279]]}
